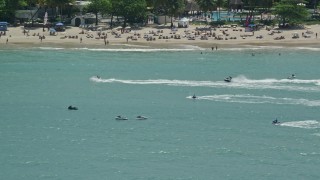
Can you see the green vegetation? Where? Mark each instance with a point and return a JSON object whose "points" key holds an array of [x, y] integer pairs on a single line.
{"points": [[131, 10], [99, 6], [288, 12]]}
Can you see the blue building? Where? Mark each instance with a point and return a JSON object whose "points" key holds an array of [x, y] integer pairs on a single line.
{"points": [[3, 26]]}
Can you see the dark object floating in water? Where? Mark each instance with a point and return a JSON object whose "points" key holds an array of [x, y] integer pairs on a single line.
{"points": [[121, 118], [194, 97], [228, 79], [72, 108], [275, 122], [141, 118]]}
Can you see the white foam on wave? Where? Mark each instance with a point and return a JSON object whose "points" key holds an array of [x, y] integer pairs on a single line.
{"points": [[96, 79], [310, 154], [131, 48], [282, 84], [240, 82], [246, 48], [250, 47], [157, 81], [305, 124], [244, 79], [192, 47], [127, 48], [184, 48], [130, 45], [50, 48], [301, 81], [316, 134], [308, 48], [252, 99], [140, 50]]}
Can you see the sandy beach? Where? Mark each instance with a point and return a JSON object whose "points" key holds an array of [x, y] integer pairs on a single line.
{"points": [[164, 37]]}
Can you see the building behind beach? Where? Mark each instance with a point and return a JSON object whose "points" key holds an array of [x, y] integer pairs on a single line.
{"points": [[3, 26]]}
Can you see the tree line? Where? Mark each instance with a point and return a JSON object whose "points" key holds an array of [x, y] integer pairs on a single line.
{"points": [[131, 11]]}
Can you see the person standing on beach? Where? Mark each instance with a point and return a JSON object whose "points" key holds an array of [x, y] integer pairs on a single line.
{"points": [[80, 39], [7, 41], [316, 35]]}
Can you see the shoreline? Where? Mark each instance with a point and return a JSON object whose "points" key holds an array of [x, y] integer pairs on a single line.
{"points": [[157, 46], [73, 39]]}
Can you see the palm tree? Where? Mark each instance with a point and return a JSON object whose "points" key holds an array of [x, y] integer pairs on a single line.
{"points": [[174, 8], [58, 3], [206, 5]]}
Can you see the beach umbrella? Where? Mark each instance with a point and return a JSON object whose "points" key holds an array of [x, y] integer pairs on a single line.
{"points": [[59, 24], [52, 30], [45, 19], [119, 27]]}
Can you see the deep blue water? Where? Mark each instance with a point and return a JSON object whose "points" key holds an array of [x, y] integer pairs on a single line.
{"points": [[226, 133]]}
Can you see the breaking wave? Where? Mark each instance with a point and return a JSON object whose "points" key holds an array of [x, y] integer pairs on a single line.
{"points": [[128, 48]]}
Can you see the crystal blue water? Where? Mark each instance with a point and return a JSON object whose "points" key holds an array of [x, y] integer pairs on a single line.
{"points": [[224, 15], [225, 133]]}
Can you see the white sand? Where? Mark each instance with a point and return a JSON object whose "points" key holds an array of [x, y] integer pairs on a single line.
{"points": [[16, 37]]}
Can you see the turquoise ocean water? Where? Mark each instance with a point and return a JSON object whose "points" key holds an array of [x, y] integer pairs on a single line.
{"points": [[226, 133]]}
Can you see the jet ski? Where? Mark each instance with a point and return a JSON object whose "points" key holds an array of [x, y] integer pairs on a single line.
{"points": [[72, 108], [228, 79], [141, 118], [194, 97], [121, 118], [275, 122], [292, 76]]}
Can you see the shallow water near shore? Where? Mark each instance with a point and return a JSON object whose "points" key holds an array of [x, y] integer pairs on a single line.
{"points": [[225, 133]]}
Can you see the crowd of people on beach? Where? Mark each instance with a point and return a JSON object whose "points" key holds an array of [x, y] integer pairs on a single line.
{"points": [[206, 34]]}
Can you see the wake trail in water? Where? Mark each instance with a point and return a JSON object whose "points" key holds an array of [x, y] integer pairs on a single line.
{"points": [[251, 99], [305, 124], [240, 82]]}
